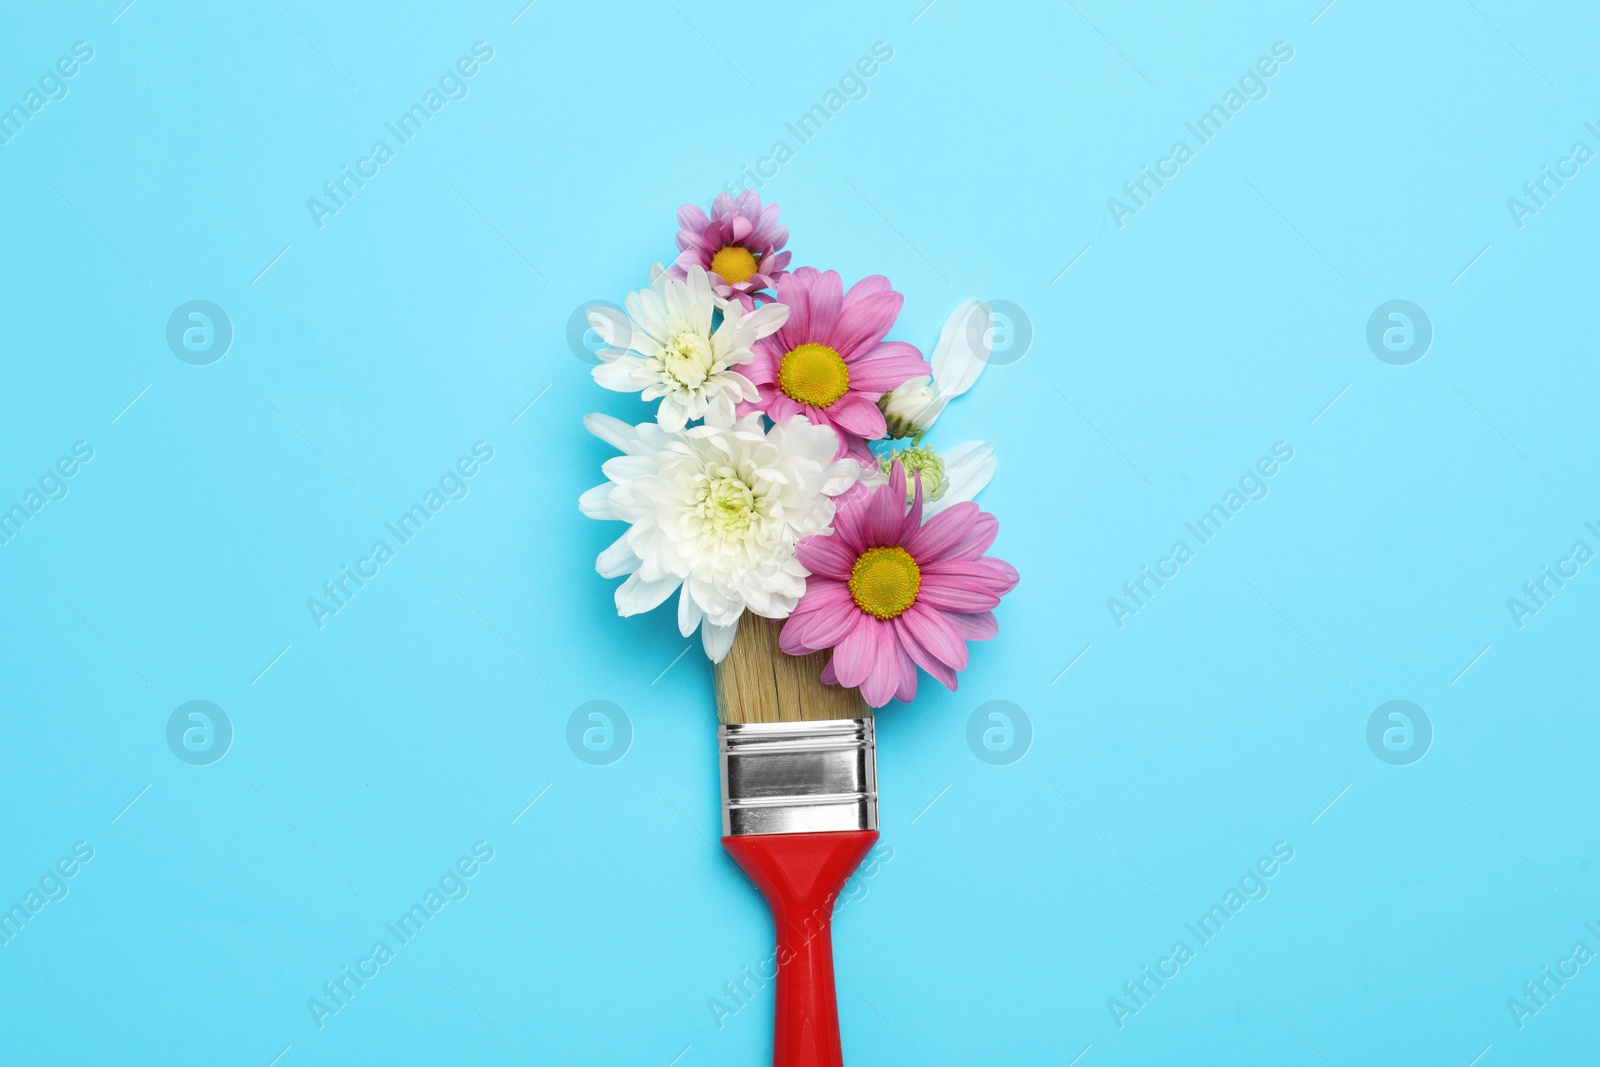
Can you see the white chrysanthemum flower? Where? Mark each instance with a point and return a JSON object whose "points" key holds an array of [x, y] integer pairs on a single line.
{"points": [[960, 356], [714, 514], [665, 347]]}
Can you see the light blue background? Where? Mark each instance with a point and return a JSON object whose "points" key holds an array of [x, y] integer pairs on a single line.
{"points": [[1227, 315]]}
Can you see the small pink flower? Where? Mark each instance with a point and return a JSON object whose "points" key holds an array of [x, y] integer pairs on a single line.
{"points": [[739, 246], [829, 361], [889, 594]]}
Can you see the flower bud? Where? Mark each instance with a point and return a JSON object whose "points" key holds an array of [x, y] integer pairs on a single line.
{"points": [[922, 461], [910, 407]]}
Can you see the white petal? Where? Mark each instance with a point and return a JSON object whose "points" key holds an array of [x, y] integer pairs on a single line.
{"points": [[844, 473], [636, 596], [969, 468], [671, 416], [720, 411], [963, 349], [934, 410], [717, 639], [649, 311], [618, 559], [700, 299], [611, 326], [617, 374], [613, 431], [627, 468], [689, 613], [765, 319], [596, 502]]}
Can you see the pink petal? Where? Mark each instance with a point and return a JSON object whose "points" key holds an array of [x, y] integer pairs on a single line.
{"points": [[789, 638], [886, 509], [886, 366], [690, 217], [827, 297], [858, 415], [943, 533], [855, 448], [822, 592], [813, 631], [879, 687], [781, 408], [977, 542], [862, 651], [742, 228], [907, 691], [871, 284], [848, 520], [978, 626], [913, 516], [935, 634], [988, 574], [763, 370], [923, 658], [864, 322], [794, 291], [956, 594], [824, 556], [826, 628]]}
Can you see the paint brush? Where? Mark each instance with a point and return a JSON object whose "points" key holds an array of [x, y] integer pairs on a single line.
{"points": [[799, 811]]}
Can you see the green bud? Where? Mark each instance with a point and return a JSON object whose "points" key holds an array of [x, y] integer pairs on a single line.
{"points": [[920, 460]]}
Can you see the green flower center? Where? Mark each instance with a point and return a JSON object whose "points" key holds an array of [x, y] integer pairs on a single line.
{"points": [[727, 504]]}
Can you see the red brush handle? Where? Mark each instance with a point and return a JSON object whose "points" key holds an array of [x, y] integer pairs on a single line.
{"points": [[801, 875]]}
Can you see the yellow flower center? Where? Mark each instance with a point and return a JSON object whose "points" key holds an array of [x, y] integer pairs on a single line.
{"points": [[734, 263], [813, 374], [884, 581]]}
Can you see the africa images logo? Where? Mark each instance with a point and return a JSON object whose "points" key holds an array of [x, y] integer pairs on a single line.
{"points": [[452, 86], [452, 886], [338, 592]]}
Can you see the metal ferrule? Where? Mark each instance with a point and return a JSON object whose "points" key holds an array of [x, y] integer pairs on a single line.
{"points": [[798, 777]]}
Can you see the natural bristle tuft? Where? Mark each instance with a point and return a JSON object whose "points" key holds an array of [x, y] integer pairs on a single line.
{"points": [[758, 682]]}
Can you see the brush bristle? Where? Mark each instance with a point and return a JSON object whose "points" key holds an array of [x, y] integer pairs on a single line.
{"points": [[758, 682]]}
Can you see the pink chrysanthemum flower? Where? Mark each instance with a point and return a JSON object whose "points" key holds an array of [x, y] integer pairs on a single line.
{"points": [[739, 246], [889, 594], [829, 361]]}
